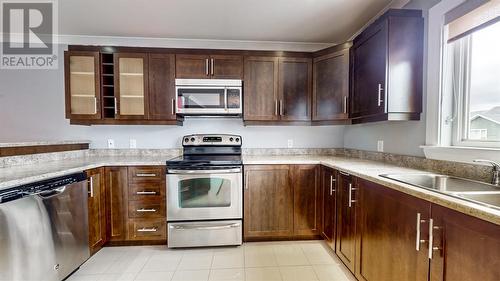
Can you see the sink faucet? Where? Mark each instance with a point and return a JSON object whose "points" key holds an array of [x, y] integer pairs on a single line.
{"points": [[496, 170]]}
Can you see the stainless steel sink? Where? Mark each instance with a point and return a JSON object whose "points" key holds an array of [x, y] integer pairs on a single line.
{"points": [[475, 191]]}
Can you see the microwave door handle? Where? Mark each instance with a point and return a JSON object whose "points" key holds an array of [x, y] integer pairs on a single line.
{"points": [[225, 98]]}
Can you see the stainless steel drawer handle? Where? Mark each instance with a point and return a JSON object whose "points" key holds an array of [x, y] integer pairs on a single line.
{"points": [[146, 193], [380, 100], [146, 210], [147, 230], [145, 175], [222, 171], [204, 227], [419, 241]]}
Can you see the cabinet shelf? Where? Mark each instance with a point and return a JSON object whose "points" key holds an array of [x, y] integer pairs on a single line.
{"points": [[82, 73], [109, 86], [131, 74], [132, 96], [83, 96]]}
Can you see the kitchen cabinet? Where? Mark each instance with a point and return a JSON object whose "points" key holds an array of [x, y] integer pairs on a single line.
{"points": [[116, 202], [331, 85], [464, 248], [162, 87], [82, 85], [205, 66], [345, 246], [268, 202], [387, 69], [277, 89], [96, 209], [390, 226], [328, 205], [131, 85], [307, 201]]}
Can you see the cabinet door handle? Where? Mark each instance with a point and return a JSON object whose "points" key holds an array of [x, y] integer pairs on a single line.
{"points": [[116, 106], [419, 241], [332, 180], [173, 106], [95, 105], [345, 104], [380, 100], [147, 230], [212, 62], [146, 193], [91, 185], [344, 173], [206, 67], [246, 181], [142, 210], [281, 108], [432, 248], [276, 107], [351, 189], [145, 175]]}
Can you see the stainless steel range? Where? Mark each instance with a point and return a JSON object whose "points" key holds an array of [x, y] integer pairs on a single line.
{"points": [[205, 192]]}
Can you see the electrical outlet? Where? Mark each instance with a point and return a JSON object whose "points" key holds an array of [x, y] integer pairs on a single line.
{"points": [[290, 143], [111, 143], [380, 146], [133, 143]]}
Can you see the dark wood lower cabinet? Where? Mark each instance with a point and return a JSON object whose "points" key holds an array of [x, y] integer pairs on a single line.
{"points": [[468, 249], [306, 201], [116, 200], [96, 209], [268, 201], [346, 220], [328, 205], [387, 235]]}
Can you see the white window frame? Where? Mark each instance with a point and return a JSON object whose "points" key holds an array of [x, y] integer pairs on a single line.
{"points": [[439, 144]]}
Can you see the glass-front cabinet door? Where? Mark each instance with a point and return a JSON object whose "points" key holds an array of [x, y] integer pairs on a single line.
{"points": [[82, 85], [131, 88]]}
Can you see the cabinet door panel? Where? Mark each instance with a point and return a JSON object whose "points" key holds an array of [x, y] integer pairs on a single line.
{"points": [[116, 200], [295, 78], [261, 89], [97, 209], [307, 199], [82, 85], [268, 201], [329, 187], [471, 247], [192, 66], [162, 87], [369, 59], [346, 221], [331, 86], [226, 67], [387, 233]]}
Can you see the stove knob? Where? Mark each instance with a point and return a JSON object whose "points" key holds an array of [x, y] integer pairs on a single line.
{"points": [[186, 140], [231, 139], [237, 139], [192, 139]]}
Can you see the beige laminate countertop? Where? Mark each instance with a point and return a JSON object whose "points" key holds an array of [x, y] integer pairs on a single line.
{"points": [[365, 169]]}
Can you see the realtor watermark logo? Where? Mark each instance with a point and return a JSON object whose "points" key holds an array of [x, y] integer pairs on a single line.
{"points": [[29, 30]]}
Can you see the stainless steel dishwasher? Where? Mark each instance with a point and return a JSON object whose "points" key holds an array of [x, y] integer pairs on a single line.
{"points": [[44, 229]]}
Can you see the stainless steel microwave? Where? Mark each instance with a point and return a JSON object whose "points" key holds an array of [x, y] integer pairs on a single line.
{"points": [[208, 97]]}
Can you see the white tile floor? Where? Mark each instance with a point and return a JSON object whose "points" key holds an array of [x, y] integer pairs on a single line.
{"points": [[268, 261]]}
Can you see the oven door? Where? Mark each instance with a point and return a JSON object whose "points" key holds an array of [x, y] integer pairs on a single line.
{"points": [[204, 194]]}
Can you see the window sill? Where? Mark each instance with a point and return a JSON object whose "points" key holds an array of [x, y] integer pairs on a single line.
{"points": [[460, 153]]}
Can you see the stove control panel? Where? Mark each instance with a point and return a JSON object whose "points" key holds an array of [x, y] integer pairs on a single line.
{"points": [[211, 140]]}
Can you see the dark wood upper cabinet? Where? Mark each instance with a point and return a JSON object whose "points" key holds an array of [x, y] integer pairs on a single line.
{"points": [[268, 202], [131, 85], [328, 205], [162, 87], [226, 67], [331, 85], [387, 69], [387, 234], [346, 220], [295, 91], [116, 200], [466, 248], [209, 66], [96, 209], [82, 85], [261, 89], [307, 201]]}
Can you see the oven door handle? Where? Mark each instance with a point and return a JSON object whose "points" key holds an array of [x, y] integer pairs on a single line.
{"points": [[222, 171], [204, 227]]}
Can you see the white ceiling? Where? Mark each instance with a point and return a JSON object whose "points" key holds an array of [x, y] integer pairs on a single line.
{"points": [[307, 21]]}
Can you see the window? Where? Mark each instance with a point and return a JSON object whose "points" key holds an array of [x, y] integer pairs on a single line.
{"points": [[475, 88]]}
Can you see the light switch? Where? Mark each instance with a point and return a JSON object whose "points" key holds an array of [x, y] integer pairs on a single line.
{"points": [[380, 146], [290, 144], [133, 143]]}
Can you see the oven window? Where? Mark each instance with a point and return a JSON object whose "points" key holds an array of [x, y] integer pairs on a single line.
{"points": [[204, 193], [201, 98]]}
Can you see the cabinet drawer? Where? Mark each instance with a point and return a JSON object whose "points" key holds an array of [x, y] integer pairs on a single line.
{"points": [[144, 209], [145, 174], [142, 191], [141, 229]]}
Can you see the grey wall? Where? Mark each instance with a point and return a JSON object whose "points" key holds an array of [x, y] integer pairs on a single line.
{"points": [[399, 137], [32, 108]]}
